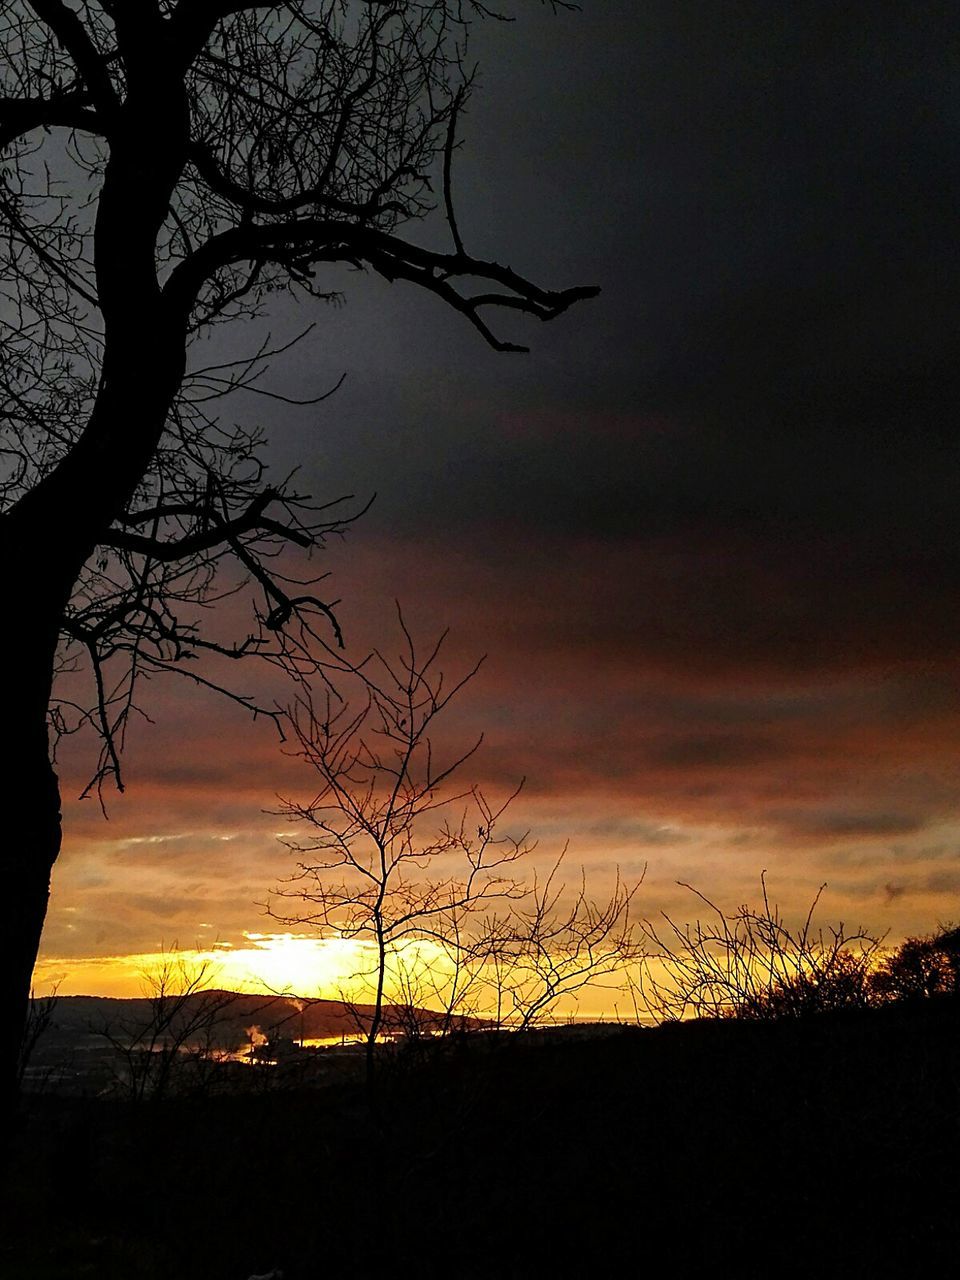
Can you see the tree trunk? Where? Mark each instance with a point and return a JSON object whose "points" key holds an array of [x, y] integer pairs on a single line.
{"points": [[50, 533], [29, 846], [34, 843], [44, 543]]}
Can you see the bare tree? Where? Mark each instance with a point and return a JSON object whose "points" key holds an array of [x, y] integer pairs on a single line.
{"points": [[557, 943], [396, 857], [401, 858], [177, 1033], [752, 964], [40, 1013], [165, 165]]}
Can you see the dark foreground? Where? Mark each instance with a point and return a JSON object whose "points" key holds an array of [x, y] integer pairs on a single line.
{"points": [[827, 1148]]}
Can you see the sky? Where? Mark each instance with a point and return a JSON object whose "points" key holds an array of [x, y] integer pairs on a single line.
{"points": [[704, 532]]}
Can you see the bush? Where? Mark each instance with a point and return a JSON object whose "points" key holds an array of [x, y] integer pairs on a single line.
{"points": [[920, 968], [751, 964]]}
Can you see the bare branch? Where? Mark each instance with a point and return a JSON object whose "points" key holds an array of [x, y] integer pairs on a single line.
{"points": [[397, 854], [69, 30], [304, 243], [19, 117]]}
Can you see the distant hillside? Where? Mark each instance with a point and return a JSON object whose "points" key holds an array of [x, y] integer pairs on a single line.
{"points": [[215, 1019]]}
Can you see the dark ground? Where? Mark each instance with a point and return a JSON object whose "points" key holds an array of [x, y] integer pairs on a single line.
{"points": [[827, 1148]]}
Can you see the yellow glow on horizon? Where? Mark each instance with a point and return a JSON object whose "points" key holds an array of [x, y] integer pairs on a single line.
{"points": [[279, 963], [303, 966]]}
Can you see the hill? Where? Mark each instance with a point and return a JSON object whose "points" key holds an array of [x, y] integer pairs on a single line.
{"points": [[218, 1020], [825, 1146]]}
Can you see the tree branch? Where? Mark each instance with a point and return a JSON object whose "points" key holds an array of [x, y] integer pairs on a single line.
{"points": [[302, 243], [253, 202], [222, 531], [193, 21], [70, 111], [71, 33]]}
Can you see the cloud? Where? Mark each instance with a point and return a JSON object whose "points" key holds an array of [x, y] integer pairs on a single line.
{"points": [[633, 831], [705, 532], [715, 751], [840, 824]]}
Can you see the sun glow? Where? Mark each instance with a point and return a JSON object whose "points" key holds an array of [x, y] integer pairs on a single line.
{"points": [[418, 973], [280, 963]]}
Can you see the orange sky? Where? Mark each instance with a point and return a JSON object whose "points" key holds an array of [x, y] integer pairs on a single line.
{"points": [[705, 530], [708, 772]]}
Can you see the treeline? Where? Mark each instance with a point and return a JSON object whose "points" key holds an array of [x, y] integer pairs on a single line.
{"points": [[751, 964]]}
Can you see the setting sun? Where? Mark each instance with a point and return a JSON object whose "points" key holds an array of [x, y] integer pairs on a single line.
{"points": [[279, 963]]}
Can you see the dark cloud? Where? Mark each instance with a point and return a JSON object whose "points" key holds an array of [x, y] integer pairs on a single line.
{"points": [[706, 530], [722, 608], [766, 197], [841, 824], [715, 751], [746, 448], [943, 884]]}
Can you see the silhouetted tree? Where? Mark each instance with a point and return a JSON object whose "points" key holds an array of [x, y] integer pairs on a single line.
{"points": [[920, 968], [753, 964], [399, 856], [176, 1033], [40, 1011], [164, 166]]}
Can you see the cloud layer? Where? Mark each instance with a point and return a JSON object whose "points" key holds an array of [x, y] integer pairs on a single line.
{"points": [[705, 532]]}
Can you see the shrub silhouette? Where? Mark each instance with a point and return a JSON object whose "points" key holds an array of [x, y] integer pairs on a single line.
{"points": [[920, 968], [751, 964]]}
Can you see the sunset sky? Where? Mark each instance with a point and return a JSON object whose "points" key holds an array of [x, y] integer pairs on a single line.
{"points": [[705, 532]]}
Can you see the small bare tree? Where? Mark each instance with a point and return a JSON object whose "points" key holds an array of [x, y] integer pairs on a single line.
{"points": [[176, 1033], [752, 964], [423, 871], [395, 856], [556, 943], [40, 1013]]}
